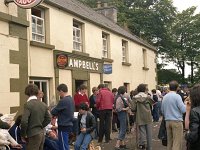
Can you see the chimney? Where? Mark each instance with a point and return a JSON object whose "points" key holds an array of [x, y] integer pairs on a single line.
{"points": [[109, 11]]}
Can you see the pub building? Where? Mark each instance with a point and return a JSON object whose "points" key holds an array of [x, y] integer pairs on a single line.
{"points": [[65, 41]]}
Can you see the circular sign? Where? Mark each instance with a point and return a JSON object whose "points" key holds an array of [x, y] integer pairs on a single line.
{"points": [[62, 61], [26, 4]]}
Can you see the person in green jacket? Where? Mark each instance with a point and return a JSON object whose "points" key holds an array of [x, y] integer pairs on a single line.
{"points": [[35, 117], [142, 105]]}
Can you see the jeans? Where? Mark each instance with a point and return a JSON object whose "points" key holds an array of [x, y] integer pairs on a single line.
{"points": [[82, 141], [50, 144], [156, 112], [122, 116], [63, 138]]}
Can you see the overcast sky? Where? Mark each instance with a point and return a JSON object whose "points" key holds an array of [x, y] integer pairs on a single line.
{"points": [[184, 4]]}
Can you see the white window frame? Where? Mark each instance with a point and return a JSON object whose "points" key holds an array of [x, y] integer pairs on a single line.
{"points": [[77, 40], [124, 51], [104, 45], [36, 36], [40, 87]]}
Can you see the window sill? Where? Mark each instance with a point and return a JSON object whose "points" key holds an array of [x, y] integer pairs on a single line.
{"points": [[42, 45], [126, 64], [107, 60], [145, 68], [80, 53]]}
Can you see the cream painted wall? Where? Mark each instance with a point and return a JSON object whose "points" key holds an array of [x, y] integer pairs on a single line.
{"points": [[11, 9], [8, 71], [65, 76], [94, 80], [61, 29], [41, 62]]}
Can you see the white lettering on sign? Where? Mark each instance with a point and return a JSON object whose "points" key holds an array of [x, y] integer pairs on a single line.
{"points": [[26, 4], [75, 63]]}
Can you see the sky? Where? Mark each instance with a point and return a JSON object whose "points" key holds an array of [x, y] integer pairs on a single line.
{"points": [[182, 5]]}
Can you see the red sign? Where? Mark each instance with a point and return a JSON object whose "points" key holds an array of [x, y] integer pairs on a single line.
{"points": [[27, 3], [62, 61]]}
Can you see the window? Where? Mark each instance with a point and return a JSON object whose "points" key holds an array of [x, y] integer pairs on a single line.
{"points": [[43, 85], [105, 45], [144, 58], [38, 28], [124, 51], [127, 85], [77, 40]]}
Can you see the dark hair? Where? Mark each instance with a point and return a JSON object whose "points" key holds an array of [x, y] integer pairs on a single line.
{"points": [[114, 90], [94, 89], [18, 120], [121, 90], [153, 91], [62, 87], [195, 95], [1, 114], [31, 89], [101, 86], [142, 88], [82, 87], [173, 85], [84, 106]]}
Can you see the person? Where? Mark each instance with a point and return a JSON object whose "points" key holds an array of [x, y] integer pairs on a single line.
{"points": [[81, 96], [104, 102], [87, 124], [192, 118], [4, 125], [121, 108], [141, 104], [34, 119], [93, 106], [156, 106], [6, 141], [115, 121], [173, 108], [65, 113], [160, 97], [40, 95], [15, 132]]}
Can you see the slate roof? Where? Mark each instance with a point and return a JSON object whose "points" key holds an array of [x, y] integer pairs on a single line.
{"points": [[79, 9]]}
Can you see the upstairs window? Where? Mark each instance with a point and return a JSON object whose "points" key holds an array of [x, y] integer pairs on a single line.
{"points": [[144, 58], [124, 51], [38, 28], [105, 45], [77, 39]]}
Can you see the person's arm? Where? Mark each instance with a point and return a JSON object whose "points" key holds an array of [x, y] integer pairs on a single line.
{"points": [[58, 108], [187, 115], [93, 124], [24, 121], [47, 118], [181, 105]]}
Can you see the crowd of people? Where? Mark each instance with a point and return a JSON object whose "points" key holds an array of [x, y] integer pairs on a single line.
{"points": [[55, 128]]}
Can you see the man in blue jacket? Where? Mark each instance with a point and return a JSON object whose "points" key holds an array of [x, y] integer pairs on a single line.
{"points": [[65, 113]]}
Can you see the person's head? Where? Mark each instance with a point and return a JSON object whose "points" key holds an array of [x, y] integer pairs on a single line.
{"points": [[40, 95], [31, 90], [142, 88], [94, 90], [1, 114], [195, 95], [153, 91], [173, 85], [100, 86], [18, 120], [121, 90], [83, 107], [62, 89], [83, 88], [114, 91]]}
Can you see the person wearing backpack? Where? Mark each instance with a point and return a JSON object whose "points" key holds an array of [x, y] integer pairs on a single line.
{"points": [[141, 104], [121, 107]]}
